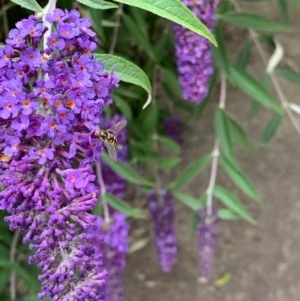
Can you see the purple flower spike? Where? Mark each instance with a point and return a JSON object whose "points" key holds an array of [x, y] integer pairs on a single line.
{"points": [[161, 208], [206, 236], [194, 57], [51, 102], [115, 249], [173, 127]]}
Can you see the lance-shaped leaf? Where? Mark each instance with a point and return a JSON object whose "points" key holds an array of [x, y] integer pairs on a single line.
{"points": [[125, 171], [28, 279], [169, 144], [223, 135], [173, 10], [253, 21], [227, 214], [190, 173], [123, 207], [240, 180], [127, 72], [290, 75], [231, 202], [98, 4], [167, 164], [29, 4], [254, 89], [270, 129], [194, 204], [236, 132]]}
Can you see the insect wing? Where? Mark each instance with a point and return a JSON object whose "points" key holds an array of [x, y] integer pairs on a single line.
{"points": [[117, 127], [5, 158], [111, 150]]}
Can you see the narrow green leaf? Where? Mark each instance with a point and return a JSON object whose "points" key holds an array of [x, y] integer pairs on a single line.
{"points": [[253, 21], [290, 75], [29, 4], [125, 171], [223, 135], [220, 52], [171, 81], [254, 89], [190, 173], [230, 201], [123, 106], [283, 9], [227, 214], [98, 4], [127, 72], [244, 55], [139, 37], [138, 245], [28, 279], [4, 278], [173, 10], [191, 202], [167, 164], [169, 144], [236, 132], [240, 179], [123, 207], [270, 129]]}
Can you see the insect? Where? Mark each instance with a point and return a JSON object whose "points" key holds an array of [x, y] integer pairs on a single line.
{"points": [[109, 139], [4, 158]]}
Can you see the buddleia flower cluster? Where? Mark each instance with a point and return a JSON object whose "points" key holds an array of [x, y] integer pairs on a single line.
{"points": [[173, 127], [160, 204], [206, 237], [116, 231], [193, 52], [51, 100]]}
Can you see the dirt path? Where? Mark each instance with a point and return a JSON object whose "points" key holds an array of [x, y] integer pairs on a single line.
{"points": [[264, 261]]}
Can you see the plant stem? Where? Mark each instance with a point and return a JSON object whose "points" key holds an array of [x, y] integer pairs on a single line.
{"points": [[116, 30], [102, 188], [12, 255], [215, 152], [275, 81]]}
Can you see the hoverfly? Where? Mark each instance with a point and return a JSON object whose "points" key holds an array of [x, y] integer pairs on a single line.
{"points": [[109, 139], [4, 158]]}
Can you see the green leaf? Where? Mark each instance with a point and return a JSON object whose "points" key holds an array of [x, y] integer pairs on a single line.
{"points": [[236, 132], [223, 135], [123, 106], [190, 173], [253, 21], [240, 179], [136, 33], [28, 279], [270, 129], [173, 10], [123, 207], [169, 163], [171, 81], [98, 4], [35, 298], [125, 171], [191, 202], [227, 214], [169, 144], [283, 9], [230, 201], [244, 55], [29, 4], [4, 278], [127, 72], [290, 75], [254, 89], [220, 52], [138, 245]]}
